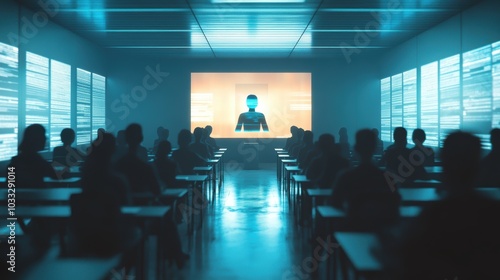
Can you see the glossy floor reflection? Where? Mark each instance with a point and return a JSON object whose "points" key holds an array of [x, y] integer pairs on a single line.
{"points": [[248, 232]]}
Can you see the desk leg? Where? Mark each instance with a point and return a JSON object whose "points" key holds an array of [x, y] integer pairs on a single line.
{"points": [[160, 247], [62, 241]]}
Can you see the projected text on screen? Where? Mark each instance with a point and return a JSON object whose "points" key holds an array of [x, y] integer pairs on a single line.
{"points": [[450, 98]]}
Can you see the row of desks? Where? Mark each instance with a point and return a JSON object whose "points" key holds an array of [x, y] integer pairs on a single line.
{"points": [[62, 212], [28, 200]]}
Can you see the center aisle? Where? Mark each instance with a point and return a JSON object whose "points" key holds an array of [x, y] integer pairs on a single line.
{"points": [[248, 232]]}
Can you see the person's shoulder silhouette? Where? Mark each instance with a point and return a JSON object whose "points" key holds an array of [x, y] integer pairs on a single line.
{"points": [[184, 157], [429, 249], [29, 166], [489, 175], [365, 179], [139, 174], [251, 121], [165, 167]]}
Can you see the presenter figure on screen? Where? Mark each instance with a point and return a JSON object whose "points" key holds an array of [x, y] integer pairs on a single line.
{"points": [[251, 120]]}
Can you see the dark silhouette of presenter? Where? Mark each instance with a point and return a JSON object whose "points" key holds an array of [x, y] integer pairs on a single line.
{"points": [[251, 120]]}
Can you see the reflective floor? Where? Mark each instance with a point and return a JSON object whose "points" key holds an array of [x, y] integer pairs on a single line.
{"points": [[248, 232]]}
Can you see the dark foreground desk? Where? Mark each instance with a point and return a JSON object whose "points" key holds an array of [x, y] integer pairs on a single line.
{"points": [[63, 213], [47, 195], [56, 183], [360, 250], [75, 269]]}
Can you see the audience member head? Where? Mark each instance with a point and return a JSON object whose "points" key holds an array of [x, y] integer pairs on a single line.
{"points": [[120, 138], [461, 155], [100, 131], [418, 136], [164, 148], [133, 135], [104, 146], [300, 134], [165, 134], [293, 131], [184, 138], [209, 130], [366, 142], [400, 135], [495, 139], [198, 134], [308, 137], [204, 135], [343, 135], [159, 131], [33, 139], [326, 142], [376, 132], [67, 136]]}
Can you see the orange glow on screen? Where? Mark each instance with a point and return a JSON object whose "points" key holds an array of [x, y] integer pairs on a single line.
{"points": [[218, 99]]}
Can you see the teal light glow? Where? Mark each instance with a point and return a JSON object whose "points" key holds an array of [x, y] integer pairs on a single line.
{"points": [[256, 1]]}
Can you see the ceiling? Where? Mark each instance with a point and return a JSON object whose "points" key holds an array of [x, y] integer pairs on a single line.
{"points": [[250, 28]]}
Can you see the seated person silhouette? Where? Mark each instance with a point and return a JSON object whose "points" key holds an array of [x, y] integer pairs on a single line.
{"points": [[306, 148], [418, 138], [290, 141], [29, 165], [344, 143], [185, 158], [433, 247], [397, 160], [140, 175], [165, 167], [209, 140], [121, 146], [163, 134], [66, 155], [380, 144], [251, 120], [324, 169], [363, 192], [103, 193], [198, 146], [30, 169], [488, 171]]}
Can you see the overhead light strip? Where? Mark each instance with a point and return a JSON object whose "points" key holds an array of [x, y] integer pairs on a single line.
{"points": [[246, 48]]}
